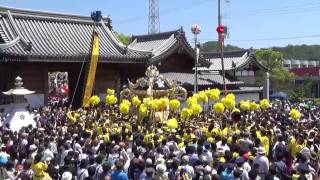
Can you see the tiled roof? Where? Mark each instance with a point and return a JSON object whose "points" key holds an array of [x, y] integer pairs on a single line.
{"points": [[232, 60], [55, 37], [203, 79], [162, 45]]}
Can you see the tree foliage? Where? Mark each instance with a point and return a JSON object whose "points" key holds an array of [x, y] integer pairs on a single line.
{"points": [[124, 39], [280, 78], [270, 58], [213, 46], [304, 88], [301, 52]]}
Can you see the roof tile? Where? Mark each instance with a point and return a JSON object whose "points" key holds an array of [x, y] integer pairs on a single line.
{"points": [[203, 79], [53, 39]]}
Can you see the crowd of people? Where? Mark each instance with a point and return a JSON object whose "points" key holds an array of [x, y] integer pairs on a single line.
{"points": [[98, 143]]}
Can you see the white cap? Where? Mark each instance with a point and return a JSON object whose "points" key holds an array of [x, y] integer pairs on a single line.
{"points": [[66, 176], [32, 147], [161, 168]]}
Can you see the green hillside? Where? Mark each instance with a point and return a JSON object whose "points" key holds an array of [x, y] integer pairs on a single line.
{"points": [[213, 46], [301, 52]]}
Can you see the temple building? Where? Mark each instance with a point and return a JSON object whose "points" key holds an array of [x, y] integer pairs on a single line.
{"points": [[50, 50], [241, 68]]}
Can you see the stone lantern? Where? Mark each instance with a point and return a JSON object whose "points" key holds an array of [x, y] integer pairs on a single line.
{"points": [[18, 115]]}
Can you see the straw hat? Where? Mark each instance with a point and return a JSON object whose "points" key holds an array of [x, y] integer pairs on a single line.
{"points": [[261, 151]]}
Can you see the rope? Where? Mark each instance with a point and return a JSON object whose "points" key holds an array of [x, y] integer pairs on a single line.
{"points": [[94, 29], [75, 90]]}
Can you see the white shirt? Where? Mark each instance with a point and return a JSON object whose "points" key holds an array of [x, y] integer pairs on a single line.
{"points": [[63, 155], [47, 154], [263, 163], [77, 147], [83, 156], [24, 142], [189, 169], [245, 174], [246, 166], [82, 174], [209, 157], [224, 147]]}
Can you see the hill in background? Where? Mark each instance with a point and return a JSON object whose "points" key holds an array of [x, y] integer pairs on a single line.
{"points": [[300, 52], [213, 46]]}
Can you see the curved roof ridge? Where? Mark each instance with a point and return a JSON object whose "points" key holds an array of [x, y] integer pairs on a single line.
{"points": [[75, 35], [162, 35], [27, 44], [138, 50], [9, 44], [243, 57], [163, 44], [27, 13], [112, 36], [132, 43], [116, 41]]}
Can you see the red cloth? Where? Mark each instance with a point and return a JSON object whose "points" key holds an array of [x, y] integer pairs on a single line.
{"points": [[65, 89]]}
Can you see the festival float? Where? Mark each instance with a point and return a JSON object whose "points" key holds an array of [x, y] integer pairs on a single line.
{"points": [[154, 85], [19, 116]]}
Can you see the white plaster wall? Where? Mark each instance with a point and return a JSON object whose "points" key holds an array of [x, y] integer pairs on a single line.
{"points": [[247, 96], [35, 100]]}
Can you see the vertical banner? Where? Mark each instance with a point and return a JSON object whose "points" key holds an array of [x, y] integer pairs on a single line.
{"points": [[58, 88], [92, 66]]}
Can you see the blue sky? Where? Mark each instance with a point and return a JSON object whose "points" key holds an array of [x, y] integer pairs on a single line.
{"points": [[251, 23]]}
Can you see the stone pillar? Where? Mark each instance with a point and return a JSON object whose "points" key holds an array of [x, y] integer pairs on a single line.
{"points": [[318, 89], [266, 87]]}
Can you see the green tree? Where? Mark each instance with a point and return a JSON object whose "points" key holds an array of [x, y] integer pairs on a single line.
{"points": [[270, 58], [307, 86], [213, 46], [126, 40], [280, 78], [301, 52]]}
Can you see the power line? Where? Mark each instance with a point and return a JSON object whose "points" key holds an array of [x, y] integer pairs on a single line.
{"points": [[266, 39], [292, 9], [289, 9], [279, 9], [295, 9], [283, 12], [279, 38], [185, 6]]}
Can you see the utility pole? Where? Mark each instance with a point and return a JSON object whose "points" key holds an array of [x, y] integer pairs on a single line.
{"points": [[196, 30], [221, 34], [268, 85]]}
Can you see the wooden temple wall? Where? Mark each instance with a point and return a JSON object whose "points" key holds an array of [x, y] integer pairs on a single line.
{"points": [[35, 76], [107, 76], [176, 63]]}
